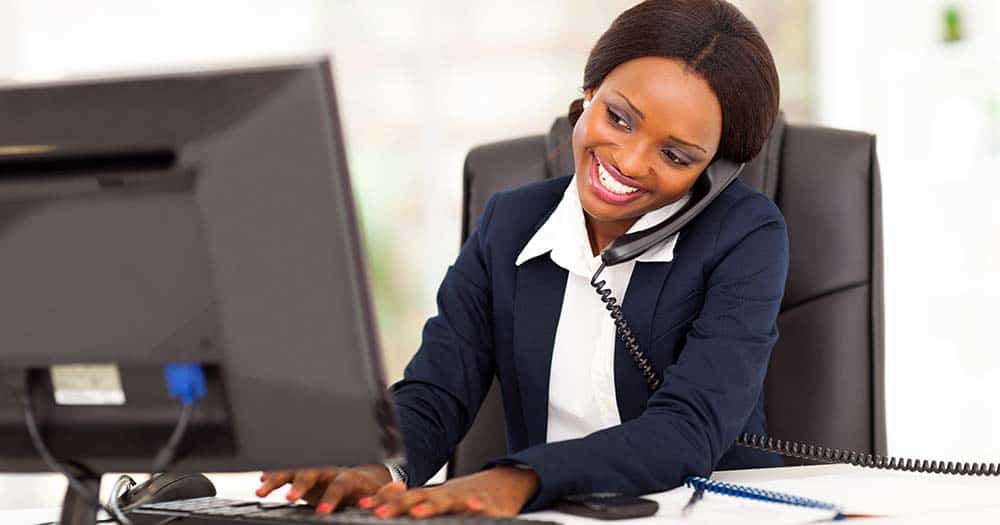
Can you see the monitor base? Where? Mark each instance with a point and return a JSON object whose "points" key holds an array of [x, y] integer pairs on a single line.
{"points": [[77, 509]]}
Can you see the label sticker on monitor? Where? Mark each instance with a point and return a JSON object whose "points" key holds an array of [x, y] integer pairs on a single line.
{"points": [[87, 385]]}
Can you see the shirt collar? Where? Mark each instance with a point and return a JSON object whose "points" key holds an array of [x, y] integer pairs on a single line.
{"points": [[564, 234]]}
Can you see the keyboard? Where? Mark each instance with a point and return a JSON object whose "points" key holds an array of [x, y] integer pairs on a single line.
{"points": [[216, 511]]}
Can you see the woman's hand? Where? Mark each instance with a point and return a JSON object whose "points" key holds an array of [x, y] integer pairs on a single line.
{"points": [[500, 491], [327, 489]]}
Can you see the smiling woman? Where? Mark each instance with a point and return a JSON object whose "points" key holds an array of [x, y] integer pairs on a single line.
{"points": [[671, 86]]}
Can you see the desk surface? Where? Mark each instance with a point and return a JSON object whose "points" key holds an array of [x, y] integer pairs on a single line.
{"points": [[909, 498]]}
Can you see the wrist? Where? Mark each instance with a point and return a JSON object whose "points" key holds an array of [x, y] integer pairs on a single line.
{"points": [[523, 482]]}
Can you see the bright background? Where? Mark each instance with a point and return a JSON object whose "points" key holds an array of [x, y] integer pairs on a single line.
{"points": [[419, 83]]}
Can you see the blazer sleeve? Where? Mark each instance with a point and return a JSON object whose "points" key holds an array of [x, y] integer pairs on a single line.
{"points": [[707, 396], [445, 382]]}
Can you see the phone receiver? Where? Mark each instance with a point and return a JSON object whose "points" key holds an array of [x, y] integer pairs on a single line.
{"points": [[716, 177]]}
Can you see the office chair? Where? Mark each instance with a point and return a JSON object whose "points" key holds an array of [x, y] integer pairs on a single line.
{"points": [[824, 384]]}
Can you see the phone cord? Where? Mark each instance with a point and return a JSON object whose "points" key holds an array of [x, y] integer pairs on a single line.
{"points": [[782, 447], [859, 459], [624, 332]]}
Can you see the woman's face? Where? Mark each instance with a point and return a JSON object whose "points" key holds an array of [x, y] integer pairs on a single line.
{"points": [[652, 127]]}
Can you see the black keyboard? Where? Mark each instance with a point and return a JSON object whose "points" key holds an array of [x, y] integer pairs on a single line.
{"points": [[215, 511]]}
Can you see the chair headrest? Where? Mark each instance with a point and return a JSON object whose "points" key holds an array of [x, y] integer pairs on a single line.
{"points": [[559, 149], [761, 173]]}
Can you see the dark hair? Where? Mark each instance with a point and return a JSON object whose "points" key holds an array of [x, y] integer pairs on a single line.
{"points": [[715, 40]]}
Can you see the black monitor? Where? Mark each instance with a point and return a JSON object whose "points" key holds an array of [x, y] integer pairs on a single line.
{"points": [[203, 217]]}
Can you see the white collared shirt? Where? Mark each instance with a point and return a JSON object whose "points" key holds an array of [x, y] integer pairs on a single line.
{"points": [[582, 397]]}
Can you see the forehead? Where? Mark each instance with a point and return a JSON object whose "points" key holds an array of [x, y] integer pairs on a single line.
{"points": [[674, 100]]}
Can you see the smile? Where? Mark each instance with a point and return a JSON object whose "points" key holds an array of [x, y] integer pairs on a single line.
{"points": [[611, 186]]}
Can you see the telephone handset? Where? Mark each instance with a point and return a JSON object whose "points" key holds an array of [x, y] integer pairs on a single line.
{"points": [[716, 177]]}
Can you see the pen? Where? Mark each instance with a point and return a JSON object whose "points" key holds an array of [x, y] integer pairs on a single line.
{"points": [[698, 493]]}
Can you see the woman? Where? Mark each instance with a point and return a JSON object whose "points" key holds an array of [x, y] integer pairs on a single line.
{"points": [[672, 85]]}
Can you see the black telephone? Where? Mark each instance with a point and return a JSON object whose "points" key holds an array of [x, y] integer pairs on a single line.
{"points": [[716, 177]]}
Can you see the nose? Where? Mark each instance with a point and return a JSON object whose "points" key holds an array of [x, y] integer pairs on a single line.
{"points": [[633, 160]]}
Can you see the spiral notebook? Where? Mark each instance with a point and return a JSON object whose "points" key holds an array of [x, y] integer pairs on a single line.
{"points": [[828, 511], [839, 489]]}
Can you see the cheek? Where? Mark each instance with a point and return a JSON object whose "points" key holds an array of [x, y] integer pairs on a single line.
{"points": [[586, 133], [673, 186], [579, 138]]}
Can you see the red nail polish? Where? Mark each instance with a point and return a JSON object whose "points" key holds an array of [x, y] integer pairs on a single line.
{"points": [[474, 503], [292, 495], [419, 509], [365, 502], [382, 512], [324, 508]]}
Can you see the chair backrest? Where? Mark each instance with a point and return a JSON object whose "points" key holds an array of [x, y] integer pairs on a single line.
{"points": [[825, 380]]}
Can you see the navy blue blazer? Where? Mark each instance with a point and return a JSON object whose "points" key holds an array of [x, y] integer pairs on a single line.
{"points": [[707, 320]]}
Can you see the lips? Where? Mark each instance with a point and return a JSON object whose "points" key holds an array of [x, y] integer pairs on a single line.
{"points": [[611, 186]]}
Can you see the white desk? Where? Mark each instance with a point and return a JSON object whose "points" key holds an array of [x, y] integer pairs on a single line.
{"points": [[902, 493]]}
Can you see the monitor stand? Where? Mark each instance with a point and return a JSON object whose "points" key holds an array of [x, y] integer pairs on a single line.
{"points": [[77, 509]]}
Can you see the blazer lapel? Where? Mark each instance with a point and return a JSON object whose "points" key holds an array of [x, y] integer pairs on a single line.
{"points": [[641, 298], [541, 285]]}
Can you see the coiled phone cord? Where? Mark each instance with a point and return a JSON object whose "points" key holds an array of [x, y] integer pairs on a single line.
{"points": [[624, 332], [782, 447], [832, 455]]}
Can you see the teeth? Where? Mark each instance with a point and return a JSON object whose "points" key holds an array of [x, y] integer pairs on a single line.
{"points": [[611, 184]]}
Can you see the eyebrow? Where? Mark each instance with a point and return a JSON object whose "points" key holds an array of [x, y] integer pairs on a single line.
{"points": [[643, 116]]}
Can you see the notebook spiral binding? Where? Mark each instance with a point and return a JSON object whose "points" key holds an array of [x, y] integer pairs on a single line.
{"points": [[830, 455], [739, 491]]}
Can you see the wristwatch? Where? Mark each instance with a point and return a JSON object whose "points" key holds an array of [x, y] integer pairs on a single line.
{"points": [[397, 472]]}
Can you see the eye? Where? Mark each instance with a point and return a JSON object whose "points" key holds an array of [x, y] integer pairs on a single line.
{"points": [[617, 119], [674, 158]]}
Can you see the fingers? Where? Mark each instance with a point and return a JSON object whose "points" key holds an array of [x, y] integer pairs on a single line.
{"points": [[425, 503], [346, 488], [395, 503], [438, 503], [273, 480], [388, 492], [310, 480], [332, 488]]}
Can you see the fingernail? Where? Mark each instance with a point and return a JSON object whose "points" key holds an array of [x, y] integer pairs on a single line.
{"points": [[365, 502], [260, 493], [474, 503], [382, 512], [419, 509], [324, 508], [292, 495]]}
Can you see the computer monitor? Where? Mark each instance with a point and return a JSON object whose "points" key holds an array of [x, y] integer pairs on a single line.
{"points": [[205, 217]]}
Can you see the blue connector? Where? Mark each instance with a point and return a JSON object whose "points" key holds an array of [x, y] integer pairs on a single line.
{"points": [[185, 381]]}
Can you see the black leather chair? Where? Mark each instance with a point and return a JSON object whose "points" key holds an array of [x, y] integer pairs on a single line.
{"points": [[825, 381]]}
